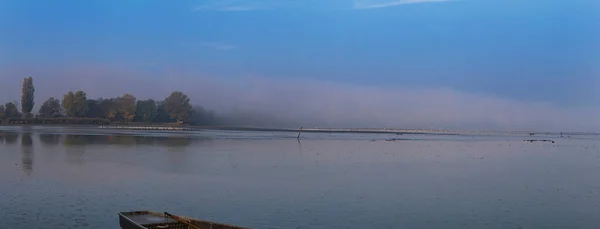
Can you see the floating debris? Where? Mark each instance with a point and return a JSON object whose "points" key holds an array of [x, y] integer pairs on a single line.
{"points": [[534, 140]]}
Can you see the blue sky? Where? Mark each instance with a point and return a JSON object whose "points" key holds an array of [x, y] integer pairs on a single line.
{"points": [[524, 51]]}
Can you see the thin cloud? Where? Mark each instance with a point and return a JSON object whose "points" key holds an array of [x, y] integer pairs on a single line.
{"points": [[252, 5], [370, 4], [227, 8], [219, 46], [233, 5]]}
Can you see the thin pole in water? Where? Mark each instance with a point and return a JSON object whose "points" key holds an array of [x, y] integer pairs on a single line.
{"points": [[299, 132]]}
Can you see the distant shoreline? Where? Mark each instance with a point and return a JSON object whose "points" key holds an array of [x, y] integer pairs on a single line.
{"points": [[184, 127], [176, 127]]}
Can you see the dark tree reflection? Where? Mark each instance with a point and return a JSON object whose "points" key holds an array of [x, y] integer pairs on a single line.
{"points": [[145, 140], [50, 139], [77, 140], [176, 142], [122, 140], [11, 138], [71, 140], [27, 153]]}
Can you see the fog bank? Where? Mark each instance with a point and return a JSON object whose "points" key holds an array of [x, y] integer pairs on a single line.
{"points": [[259, 101]]}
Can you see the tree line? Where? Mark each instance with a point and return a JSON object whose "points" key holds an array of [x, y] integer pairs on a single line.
{"points": [[176, 107]]}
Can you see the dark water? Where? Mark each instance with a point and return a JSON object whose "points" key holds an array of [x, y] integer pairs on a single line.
{"points": [[81, 178]]}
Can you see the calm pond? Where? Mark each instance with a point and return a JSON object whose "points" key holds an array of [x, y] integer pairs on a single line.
{"points": [[59, 177]]}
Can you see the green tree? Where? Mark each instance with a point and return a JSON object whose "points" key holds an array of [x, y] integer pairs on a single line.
{"points": [[146, 110], [109, 109], [51, 108], [178, 106], [75, 104], [94, 109], [11, 111], [27, 96], [161, 113], [126, 107], [2, 116]]}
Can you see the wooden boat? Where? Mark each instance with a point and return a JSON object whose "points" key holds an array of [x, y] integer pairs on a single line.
{"points": [[155, 220]]}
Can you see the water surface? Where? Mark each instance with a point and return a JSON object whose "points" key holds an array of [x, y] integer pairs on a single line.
{"points": [[58, 177]]}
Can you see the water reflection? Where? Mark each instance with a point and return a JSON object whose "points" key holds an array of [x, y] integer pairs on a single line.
{"points": [[299, 147], [27, 140], [144, 140], [173, 142], [125, 140], [50, 139], [74, 150], [27, 153], [9, 137], [77, 140], [75, 146]]}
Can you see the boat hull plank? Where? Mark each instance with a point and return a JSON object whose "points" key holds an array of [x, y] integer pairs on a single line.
{"points": [[155, 220]]}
